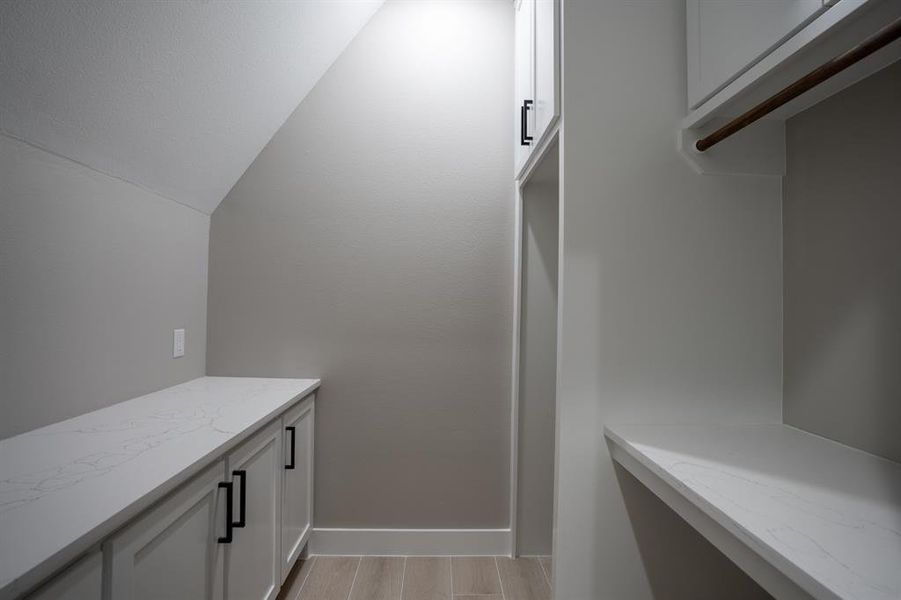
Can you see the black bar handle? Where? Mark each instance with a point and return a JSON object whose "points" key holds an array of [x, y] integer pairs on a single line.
{"points": [[522, 125], [242, 519], [290, 465], [227, 538], [524, 138]]}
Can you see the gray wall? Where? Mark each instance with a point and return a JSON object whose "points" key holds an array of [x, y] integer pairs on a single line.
{"points": [[538, 358], [370, 244], [95, 274], [670, 299], [842, 231]]}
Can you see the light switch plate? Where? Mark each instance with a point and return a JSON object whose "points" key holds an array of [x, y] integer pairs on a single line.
{"points": [[178, 343]]}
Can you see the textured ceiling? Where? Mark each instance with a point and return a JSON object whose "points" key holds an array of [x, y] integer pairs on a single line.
{"points": [[178, 97]]}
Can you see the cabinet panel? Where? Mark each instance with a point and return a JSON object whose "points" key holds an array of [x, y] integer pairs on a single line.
{"points": [[81, 581], [297, 482], [726, 37], [253, 559], [546, 60], [524, 80], [172, 551]]}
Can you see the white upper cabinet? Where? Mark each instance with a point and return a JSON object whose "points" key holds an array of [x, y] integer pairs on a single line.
{"points": [[297, 482], [546, 72], [727, 37], [536, 75], [524, 81]]}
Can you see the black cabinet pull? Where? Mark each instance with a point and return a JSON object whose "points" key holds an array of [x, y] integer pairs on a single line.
{"points": [[290, 430], [227, 538], [242, 519], [524, 138]]}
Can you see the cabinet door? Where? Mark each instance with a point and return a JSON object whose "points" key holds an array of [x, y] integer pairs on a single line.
{"points": [[81, 581], [727, 37], [172, 551], [253, 559], [297, 482], [547, 105], [524, 81]]}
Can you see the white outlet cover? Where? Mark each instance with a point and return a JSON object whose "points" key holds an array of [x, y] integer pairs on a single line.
{"points": [[178, 343]]}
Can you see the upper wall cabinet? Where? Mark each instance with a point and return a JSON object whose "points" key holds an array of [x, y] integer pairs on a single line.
{"points": [[537, 75], [727, 37], [752, 64]]}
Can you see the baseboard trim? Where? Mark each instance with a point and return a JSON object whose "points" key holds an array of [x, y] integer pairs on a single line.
{"points": [[410, 542]]}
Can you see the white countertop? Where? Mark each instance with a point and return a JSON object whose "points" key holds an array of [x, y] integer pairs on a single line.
{"points": [[826, 516], [66, 486]]}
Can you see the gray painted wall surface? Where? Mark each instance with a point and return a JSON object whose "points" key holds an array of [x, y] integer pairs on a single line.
{"points": [[370, 244], [95, 274], [842, 231], [538, 359], [670, 299]]}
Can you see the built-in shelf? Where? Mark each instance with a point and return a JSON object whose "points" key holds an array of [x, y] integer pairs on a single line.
{"points": [[802, 515]]}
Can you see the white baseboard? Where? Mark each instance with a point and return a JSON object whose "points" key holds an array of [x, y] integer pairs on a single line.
{"points": [[410, 542]]}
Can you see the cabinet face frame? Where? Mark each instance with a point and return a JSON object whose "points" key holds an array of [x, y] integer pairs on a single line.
{"points": [[301, 415], [120, 551], [242, 458]]}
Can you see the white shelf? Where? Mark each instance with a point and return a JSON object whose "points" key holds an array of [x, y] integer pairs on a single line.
{"points": [[66, 486], [804, 516]]}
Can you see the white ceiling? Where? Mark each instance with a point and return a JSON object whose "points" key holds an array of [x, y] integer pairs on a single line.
{"points": [[175, 96]]}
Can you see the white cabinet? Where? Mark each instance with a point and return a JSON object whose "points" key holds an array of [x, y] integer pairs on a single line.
{"points": [[81, 581], [253, 559], [727, 37], [547, 105], [523, 83], [232, 532], [297, 482], [173, 550], [536, 75]]}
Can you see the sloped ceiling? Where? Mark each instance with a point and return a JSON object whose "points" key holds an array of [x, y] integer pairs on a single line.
{"points": [[175, 96]]}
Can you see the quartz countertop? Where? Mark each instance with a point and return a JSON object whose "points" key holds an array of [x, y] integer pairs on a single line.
{"points": [[64, 487], [826, 516]]}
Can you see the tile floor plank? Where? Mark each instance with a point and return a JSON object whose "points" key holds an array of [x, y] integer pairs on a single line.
{"points": [[295, 579], [523, 579], [546, 564], [378, 578], [330, 578], [475, 575], [427, 578]]}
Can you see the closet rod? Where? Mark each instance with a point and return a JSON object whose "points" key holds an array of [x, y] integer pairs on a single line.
{"points": [[881, 38]]}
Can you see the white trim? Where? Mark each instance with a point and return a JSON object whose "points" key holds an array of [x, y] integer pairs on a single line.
{"points": [[409, 542], [547, 142], [514, 363]]}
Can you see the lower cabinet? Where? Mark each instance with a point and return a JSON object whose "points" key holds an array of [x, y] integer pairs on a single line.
{"points": [[297, 482], [172, 551], [253, 558], [80, 581], [233, 532]]}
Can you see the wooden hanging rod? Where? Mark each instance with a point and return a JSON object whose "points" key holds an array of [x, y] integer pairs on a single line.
{"points": [[881, 38]]}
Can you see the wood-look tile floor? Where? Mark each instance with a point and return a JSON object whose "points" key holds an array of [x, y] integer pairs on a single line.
{"points": [[419, 578]]}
